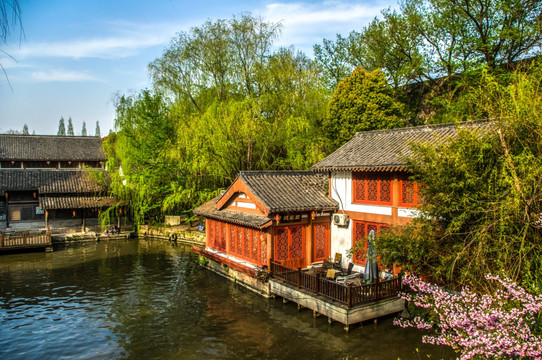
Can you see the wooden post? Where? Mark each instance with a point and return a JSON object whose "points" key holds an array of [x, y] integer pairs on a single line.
{"points": [[349, 295], [299, 278], [24, 238], [1, 240], [317, 287], [376, 286], [84, 220]]}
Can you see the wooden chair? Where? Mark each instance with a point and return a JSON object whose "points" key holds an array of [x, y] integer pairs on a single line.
{"points": [[337, 261]]}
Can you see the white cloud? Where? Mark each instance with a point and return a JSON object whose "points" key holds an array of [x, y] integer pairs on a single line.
{"points": [[307, 23], [62, 76], [128, 40]]}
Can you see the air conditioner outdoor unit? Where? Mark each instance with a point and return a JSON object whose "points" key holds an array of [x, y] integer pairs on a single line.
{"points": [[340, 219]]}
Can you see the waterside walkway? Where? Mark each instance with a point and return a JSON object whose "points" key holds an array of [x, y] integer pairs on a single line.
{"points": [[348, 304]]}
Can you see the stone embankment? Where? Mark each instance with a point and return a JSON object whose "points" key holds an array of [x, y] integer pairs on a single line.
{"points": [[179, 233]]}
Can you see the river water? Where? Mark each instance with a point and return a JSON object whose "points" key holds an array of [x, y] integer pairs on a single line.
{"points": [[149, 299]]}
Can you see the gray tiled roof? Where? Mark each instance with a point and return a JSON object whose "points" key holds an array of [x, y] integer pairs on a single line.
{"points": [[209, 210], [387, 149], [48, 181], [51, 148], [290, 191], [74, 202]]}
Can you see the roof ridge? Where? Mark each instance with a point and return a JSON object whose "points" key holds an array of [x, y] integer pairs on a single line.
{"points": [[425, 126]]}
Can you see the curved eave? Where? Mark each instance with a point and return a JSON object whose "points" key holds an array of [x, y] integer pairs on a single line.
{"points": [[387, 168], [237, 218], [304, 209]]}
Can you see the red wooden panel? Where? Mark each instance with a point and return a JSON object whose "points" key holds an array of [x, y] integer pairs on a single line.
{"points": [[297, 243], [321, 241], [281, 241]]}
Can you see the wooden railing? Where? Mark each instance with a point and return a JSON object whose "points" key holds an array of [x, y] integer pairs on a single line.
{"points": [[24, 241], [349, 295]]}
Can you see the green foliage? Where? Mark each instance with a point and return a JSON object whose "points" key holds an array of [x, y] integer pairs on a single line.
{"points": [[61, 127], [97, 132], [70, 131], [25, 129], [363, 101], [482, 192], [84, 129], [223, 102]]}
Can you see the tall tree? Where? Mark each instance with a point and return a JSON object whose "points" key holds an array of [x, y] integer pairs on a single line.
{"points": [[431, 39], [25, 129], [70, 131], [84, 129], [10, 19], [482, 195], [97, 131], [61, 127], [363, 101]]}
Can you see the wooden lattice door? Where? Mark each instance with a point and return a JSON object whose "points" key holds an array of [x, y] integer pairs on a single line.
{"points": [[321, 242], [290, 246]]}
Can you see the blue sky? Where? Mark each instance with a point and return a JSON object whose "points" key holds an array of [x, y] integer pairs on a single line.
{"points": [[77, 54]]}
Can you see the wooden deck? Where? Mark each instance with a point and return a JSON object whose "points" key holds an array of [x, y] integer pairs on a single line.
{"points": [[347, 304], [25, 241]]}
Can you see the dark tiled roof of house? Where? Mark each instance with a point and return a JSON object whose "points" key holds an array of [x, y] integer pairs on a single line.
{"points": [[385, 150], [74, 202], [49, 181], [51, 148], [290, 191], [209, 210]]}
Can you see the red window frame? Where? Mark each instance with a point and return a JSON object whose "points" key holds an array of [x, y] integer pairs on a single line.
{"points": [[361, 188], [363, 228], [409, 192], [290, 250], [242, 241], [326, 241]]}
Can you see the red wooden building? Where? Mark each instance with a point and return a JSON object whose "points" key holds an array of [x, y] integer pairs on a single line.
{"points": [[270, 215], [369, 177]]}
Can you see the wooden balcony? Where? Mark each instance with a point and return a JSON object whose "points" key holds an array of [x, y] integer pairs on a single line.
{"points": [[25, 241], [345, 303]]}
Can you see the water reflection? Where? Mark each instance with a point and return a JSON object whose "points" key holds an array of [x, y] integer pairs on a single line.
{"points": [[151, 300]]}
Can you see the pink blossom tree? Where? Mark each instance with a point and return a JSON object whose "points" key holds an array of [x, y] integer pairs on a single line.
{"points": [[496, 326]]}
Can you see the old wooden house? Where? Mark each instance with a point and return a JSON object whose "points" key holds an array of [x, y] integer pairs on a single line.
{"points": [[370, 179], [264, 215], [51, 183]]}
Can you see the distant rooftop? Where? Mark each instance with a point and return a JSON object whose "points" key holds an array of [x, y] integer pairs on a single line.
{"points": [[51, 148], [386, 150]]}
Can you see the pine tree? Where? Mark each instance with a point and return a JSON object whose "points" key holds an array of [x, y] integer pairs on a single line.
{"points": [[70, 127], [97, 133], [84, 129], [61, 127], [25, 129]]}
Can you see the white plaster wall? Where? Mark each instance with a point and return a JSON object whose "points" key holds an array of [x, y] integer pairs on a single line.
{"points": [[341, 241], [341, 190], [409, 213]]}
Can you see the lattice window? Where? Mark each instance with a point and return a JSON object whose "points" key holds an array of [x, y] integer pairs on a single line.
{"points": [[211, 240], [319, 241], [385, 189], [359, 235], [361, 231], [372, 187], [239, 238], [407, 195], [224, 236], [297, 242], [281, 237], [247, 242], [255, 236], [359, 188], [263, 248], [232, 239]]}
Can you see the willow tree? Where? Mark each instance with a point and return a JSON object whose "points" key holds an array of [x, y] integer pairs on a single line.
{"points": [[363, 101], [482, 192], [233, 104]]}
